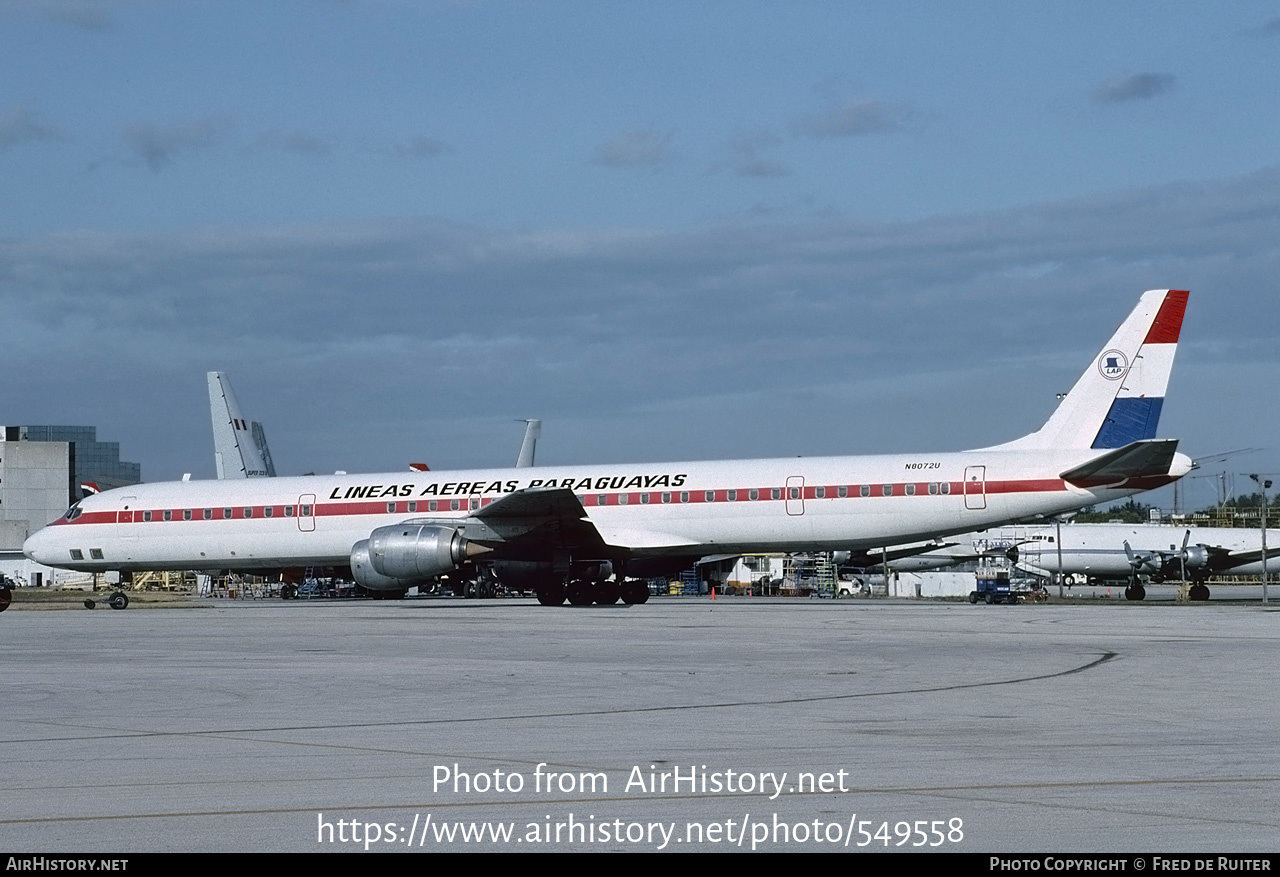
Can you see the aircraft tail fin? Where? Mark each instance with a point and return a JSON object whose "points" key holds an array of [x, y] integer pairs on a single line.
{"points": [[532, 431], [236, 451], [1117, 401]]}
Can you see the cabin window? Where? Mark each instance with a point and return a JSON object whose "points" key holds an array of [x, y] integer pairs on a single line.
{"points": [[820, 492], [711, 496], [732, 496], [911, 490], [168, 515], [684, 496], [95, 553], [842, 492], [475, 504], [391, 509], [933, 487], [776, 493], [146, 516], [208, 514], [887, 489], [226, 513], [77, 554], [454, 505], [602, 499], [666, 497], [624, 498], [288, 511], [793, 492], [186, 514], [248, 513], [644, 499], [865, 490], [946, 487], [268, 511]]}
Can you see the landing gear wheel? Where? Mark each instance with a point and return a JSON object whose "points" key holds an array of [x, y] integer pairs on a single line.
{"points": [[288, 592], [118, 600], [634, 592], [580, 593], [607, 593], [550, 595], [1199, 593], [1135, 592]]}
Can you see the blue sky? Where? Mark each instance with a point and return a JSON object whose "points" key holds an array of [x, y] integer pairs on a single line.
{"points": [[671, 230]]}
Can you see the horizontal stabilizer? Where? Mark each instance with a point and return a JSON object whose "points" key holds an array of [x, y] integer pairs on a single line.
{"points": [[1152, 457]]}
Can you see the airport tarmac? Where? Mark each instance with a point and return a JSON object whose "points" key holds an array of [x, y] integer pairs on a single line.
{"points": [[272, 726]]}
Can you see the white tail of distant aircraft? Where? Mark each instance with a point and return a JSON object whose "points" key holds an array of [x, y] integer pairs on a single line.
{"points": [[532, 431], [239, 447], [589, 533]]}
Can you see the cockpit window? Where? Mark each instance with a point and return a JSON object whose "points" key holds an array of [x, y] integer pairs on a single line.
{"points": [[74, 512]]}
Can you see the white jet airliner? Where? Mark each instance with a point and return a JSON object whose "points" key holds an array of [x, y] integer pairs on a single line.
{"points": [[588, 533]]}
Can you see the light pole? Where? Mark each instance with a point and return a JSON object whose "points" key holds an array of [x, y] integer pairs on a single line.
{"points": [[1263, 484]]}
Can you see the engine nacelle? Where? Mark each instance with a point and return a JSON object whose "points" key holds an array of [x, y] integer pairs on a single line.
{"points": [[418, 551], [363, 572], [1195, 557]]}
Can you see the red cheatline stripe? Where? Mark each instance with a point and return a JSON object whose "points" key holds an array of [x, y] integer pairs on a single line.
{"points": [[1168, 322]]}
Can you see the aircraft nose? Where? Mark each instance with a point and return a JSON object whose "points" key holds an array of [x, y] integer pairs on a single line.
{"points": [[40, 546]]}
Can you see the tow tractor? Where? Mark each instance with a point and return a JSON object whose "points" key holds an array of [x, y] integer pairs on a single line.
{"points": [[996, 586], [993, 586]]}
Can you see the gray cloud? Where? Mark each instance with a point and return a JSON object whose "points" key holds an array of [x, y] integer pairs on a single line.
{"points": [[853, 117], [297, 141], [1269, 28], [159, 146], [20, 124], [644, 147], [372, 344], [422, 147], [87, 14], [748, 149], [1139, 86]]}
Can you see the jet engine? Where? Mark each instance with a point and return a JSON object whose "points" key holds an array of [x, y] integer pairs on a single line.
{"points": [[405, 554]]}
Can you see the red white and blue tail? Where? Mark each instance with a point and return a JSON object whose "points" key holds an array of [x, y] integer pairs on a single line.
{"points": [[1118, 399]]}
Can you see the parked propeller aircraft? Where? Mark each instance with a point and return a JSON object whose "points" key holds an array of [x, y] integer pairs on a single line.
{"points": [[1155, 552], [590, 533]]}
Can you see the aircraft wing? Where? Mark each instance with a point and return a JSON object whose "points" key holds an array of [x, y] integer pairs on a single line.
{"points": [[1146, 458], [555, 513], [553, 503], [1222, 560], [548, 516], [875, 557]]}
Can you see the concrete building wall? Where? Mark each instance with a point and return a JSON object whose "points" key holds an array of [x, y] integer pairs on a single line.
{"points": [[35, 488]]}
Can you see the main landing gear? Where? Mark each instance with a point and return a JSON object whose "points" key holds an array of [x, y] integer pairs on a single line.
{"points": [[580, 592]]}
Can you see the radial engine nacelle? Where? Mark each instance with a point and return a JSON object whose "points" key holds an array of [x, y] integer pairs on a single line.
{"points": [[1195, 556], [404, 554]]}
